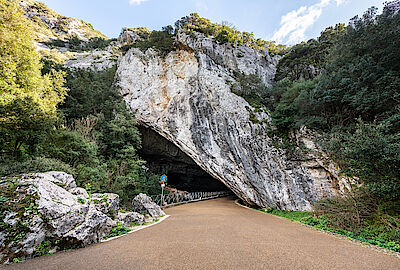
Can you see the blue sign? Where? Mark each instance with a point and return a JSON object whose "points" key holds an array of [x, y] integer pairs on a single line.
{"points": [[163, 178]]}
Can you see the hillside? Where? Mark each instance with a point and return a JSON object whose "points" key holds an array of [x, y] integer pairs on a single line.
{"points": [[49, 25], [313, 127]]}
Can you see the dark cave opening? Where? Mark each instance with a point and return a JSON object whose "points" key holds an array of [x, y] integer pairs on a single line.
{"points": [[163, 157]]}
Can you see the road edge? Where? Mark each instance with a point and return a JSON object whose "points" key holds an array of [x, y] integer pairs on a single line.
{"points": [[137, 228], [354, 241]]}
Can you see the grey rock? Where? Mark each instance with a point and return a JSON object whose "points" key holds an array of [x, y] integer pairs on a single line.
{"points": [[54, 213], [127, 218], [95, 226], [107, 203], [144, 204], [61, 179], [186, 98], [240, 58], [148, 219], [79, 192], [128, 36]]}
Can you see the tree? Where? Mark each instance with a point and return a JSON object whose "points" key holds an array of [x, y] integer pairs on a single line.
{"points": [[28, 99], [20, 67]]}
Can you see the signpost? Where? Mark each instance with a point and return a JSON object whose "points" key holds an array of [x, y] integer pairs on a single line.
{"points": [[163, 181]]}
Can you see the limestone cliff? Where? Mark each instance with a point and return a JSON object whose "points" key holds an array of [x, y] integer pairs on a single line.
{"points": [[186, 97]]}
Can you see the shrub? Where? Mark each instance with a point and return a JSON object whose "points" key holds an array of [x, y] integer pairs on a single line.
{"points": [[163, 41], [70, 147], [117, 231], [348, 212], [34, 165]]}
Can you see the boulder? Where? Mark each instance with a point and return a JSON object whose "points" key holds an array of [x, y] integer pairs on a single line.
{"points": [[144, 204], [130, 217], [80, 192], [95, 226], [38, 207], [107, 203], [61, 179]]}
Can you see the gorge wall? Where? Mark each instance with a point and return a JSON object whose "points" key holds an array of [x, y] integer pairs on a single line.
{"points": [[186, 98]]}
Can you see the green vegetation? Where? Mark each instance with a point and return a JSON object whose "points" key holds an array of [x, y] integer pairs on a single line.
{"points": [[29, 100], [225, 33], [72, 121], [60, 30], [43, 249], [251, 88], [355, 105], [162, 41], [295, 65], [376, 233], [117, 231], [24, 208], [77, 45]]}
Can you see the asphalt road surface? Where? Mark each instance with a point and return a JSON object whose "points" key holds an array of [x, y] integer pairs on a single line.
{"points": [[218, 234]]}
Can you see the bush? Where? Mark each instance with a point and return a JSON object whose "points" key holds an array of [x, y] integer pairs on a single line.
{"points": [[369, 151], [162, 41], [348, 212], [117, 231], [23, 126], [35, 165], [225, 33], [70, 147]]}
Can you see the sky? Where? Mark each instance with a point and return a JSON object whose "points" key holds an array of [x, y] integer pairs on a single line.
{"points": [[284, 21]]}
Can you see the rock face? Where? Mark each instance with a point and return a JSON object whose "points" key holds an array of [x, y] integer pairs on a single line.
{"points": [[41, 211], [186, 98], [50, 24], [144, 204], [130, 217]]}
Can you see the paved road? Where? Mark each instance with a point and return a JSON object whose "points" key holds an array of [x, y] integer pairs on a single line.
{"points": [[217, 234]]}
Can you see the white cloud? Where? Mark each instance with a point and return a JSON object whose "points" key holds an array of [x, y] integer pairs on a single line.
{"points": [[138, 2], [339, 2], [295, 23]]}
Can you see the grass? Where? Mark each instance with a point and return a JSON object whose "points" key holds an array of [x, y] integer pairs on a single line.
{"points": [[371, 232]]}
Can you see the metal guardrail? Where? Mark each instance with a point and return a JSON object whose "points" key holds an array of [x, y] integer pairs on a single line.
{"points": [[178, 198]]}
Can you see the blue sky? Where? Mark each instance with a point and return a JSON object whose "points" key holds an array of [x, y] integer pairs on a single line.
{"points": [[285, 21]]}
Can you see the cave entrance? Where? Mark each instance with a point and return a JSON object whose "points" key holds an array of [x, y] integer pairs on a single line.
{"points": [[163, 157]]}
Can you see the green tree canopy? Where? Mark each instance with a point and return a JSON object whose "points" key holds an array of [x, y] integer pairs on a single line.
{"points": [[28, 99], [20, 68]]}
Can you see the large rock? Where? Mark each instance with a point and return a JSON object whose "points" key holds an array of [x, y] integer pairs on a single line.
{"points": [[37, 207], [61, 179], [130, 218], [186, 97], [144, 204], [107, 203], [95, 226], [80, 192]]}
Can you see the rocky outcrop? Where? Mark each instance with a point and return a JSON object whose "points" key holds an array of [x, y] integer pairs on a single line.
{"points": [[145, 205], [107, 203], [130, 218], [128, 36], [230, 58], [50, 25], [79, 192], [41, 212], [186, 98], [97, 60]]}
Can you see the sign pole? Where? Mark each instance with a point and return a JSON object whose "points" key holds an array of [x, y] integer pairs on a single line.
{"points": [[162, 194], [163, 182]]}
